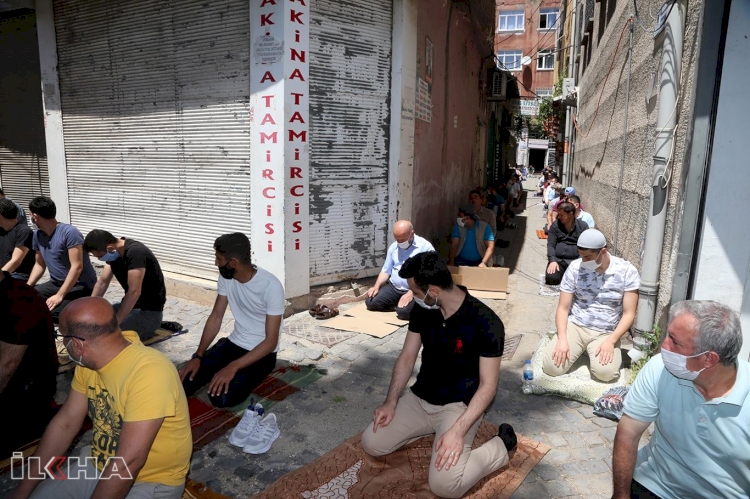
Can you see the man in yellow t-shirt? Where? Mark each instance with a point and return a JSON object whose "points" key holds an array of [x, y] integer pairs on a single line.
{"points": [[142, 442]]}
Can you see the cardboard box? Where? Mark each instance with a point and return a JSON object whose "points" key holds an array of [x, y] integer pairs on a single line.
{"points": [[490, 282]]}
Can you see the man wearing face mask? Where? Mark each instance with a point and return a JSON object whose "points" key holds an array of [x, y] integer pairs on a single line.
{"points": [[598, 299], [391, 291], [462, 343], [472, 241], [28, 364], [697, 394], [137, 270], [234, 366]]}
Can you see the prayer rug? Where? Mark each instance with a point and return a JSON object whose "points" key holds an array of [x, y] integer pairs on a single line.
{"points": [[67, 365], [348, 472], [577, 384], [540, 234], [196, 490], [209, 423], [548, 289], [29, 449]]}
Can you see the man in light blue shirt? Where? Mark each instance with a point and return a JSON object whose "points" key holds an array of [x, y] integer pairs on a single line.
{"points": [[391, 291], [696, 394], [580, 214]]}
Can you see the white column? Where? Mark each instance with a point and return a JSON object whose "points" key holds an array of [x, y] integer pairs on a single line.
{"points": [[403, 95], [280, 157], [53, 125]]}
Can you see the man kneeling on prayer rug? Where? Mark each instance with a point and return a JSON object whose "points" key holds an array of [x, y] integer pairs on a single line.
{"points": [[463, 342]]}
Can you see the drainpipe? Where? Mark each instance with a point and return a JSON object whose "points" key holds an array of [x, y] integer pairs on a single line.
{"points": [[671, 67], [568, 117]]}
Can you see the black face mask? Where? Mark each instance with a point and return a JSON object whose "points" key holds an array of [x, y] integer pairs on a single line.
{"points": [[226, 271]]}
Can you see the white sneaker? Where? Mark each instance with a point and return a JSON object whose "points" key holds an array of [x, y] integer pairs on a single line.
{"points": [[247, 424], [262, 436]]}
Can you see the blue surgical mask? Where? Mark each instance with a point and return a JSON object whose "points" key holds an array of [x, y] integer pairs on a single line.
{"points": [[109, 256], [422, 303]]}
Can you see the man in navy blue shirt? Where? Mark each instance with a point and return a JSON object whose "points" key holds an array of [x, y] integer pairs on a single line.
{"points": [[59, 249], [463, 343]]}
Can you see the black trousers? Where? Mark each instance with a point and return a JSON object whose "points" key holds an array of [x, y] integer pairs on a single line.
{"points": [[245, 381], [554, 278], [387, 300], [49, 289], [638, 491], [26, 411]]}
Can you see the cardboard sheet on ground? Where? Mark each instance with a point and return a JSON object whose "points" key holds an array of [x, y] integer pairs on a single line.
{"points": [[491, 282], [360, 320]]}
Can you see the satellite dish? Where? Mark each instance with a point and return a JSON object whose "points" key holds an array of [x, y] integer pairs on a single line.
{"points": [[526, 60]]}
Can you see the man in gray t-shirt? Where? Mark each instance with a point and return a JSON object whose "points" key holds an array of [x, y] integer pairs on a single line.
{"points": [[59, 249]]}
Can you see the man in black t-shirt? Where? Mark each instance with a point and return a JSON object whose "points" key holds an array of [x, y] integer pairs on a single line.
{"points": [[28, 364], [136, 269], [16, 241], [463, 342]]}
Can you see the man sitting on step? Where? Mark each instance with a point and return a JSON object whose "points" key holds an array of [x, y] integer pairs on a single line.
{"points": [[463, 342], [236, 365]]}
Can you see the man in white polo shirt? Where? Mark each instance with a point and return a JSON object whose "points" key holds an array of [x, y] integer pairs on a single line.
{"points": [[696, 392], [391, 291], [234, 366], [598, 299]]}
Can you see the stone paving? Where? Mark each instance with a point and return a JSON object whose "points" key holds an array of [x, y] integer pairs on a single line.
{"points": [[339, 405]]}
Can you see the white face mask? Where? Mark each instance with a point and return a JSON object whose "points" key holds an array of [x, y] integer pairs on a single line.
{"points": [[460, 222], [79, 361], [405, 244], [676, 364], [422, 304], [592, 264]]}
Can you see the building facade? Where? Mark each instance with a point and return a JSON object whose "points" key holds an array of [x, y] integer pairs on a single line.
{"points": [[309, 126], [656, 120]]}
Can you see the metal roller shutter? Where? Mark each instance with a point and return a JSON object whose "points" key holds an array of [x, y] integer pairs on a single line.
{"points": [[350, 67], [23, 151], [155, 101]]}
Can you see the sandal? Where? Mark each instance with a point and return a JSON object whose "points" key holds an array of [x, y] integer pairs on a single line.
{"points": [[317, 310], [326, 313]]}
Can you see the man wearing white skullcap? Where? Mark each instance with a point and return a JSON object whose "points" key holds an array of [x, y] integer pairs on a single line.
{"points": [[598, 299]]}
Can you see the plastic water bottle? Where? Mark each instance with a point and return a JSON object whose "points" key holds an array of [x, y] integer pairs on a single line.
{"points": [[528, 378]]}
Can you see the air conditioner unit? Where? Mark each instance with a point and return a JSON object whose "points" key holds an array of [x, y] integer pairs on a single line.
{"points": [[499, 85]]}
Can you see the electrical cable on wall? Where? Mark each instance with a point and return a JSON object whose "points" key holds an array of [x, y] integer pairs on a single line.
{"points": [[604, 85]]}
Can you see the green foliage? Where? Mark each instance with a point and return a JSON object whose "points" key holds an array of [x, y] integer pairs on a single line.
{"points": [[338, 400], [559, 84], [653, 339]]}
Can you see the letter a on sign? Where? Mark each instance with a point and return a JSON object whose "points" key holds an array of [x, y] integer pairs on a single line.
{"points": [[268, 2]]}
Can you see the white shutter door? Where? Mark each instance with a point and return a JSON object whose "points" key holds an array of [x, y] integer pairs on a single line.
{"points": [[350, 66], [155, 101], [23, 151]]}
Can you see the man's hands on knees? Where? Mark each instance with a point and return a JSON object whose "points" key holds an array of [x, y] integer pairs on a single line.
{"points": [[372, 292], [219, 385], [606, 352], [383, 415], [562, 352], [449, 448], [190, 369], [553, 267]]}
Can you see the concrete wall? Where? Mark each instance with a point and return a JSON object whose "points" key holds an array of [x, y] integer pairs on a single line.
{"points": [[450, 152], [598, 145], [530, 41], [723, 266]]}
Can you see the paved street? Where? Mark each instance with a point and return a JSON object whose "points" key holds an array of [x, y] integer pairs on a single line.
{"points": [[341, 403]]}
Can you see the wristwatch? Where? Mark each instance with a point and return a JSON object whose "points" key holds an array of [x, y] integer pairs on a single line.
{"points": [[196, 356]]}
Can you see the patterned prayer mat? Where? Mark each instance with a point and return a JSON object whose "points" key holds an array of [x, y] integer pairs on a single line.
{"points": [[209, 423], [348, 472], [67, 365]]}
